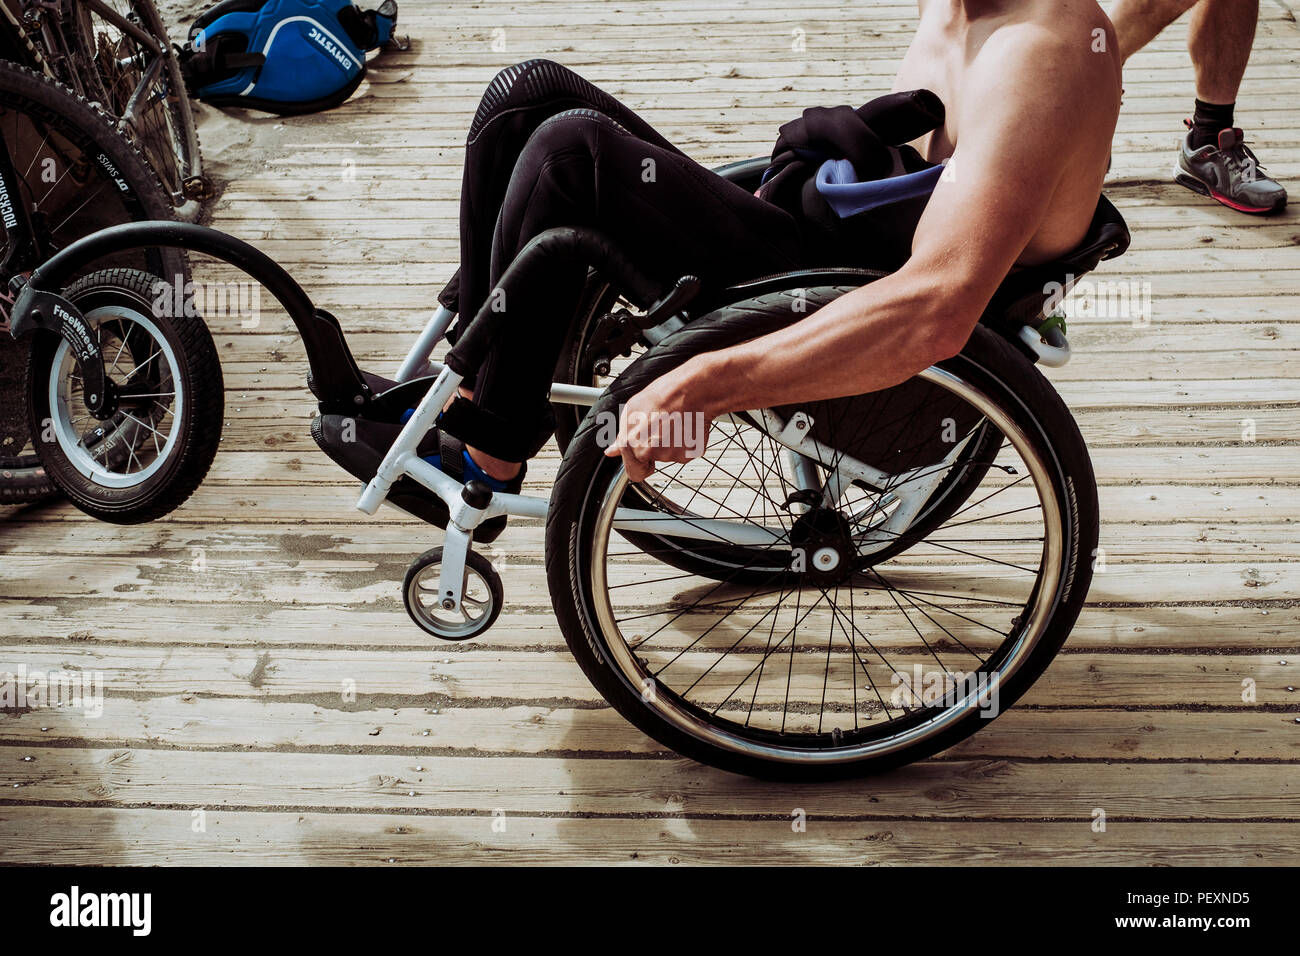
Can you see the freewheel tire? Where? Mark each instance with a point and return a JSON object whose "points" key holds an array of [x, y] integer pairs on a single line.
{"points": [[146, 460]]}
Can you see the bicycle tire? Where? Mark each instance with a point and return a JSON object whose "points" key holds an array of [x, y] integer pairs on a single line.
{"points": [[23, 479], [166, 135]]}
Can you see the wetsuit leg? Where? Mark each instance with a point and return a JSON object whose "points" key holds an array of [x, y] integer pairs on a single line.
{"points": [[516, 102], [669, 214]]}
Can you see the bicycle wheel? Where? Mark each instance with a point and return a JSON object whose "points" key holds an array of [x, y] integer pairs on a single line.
{"points": [[142, 87], [79, 175], [846, 655], [157, 441]]}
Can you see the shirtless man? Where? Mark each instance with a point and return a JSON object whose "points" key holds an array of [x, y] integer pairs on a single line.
{"points": [[1031, 90]]}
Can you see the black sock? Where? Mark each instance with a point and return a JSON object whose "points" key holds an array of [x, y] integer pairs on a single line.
{"points": [[1208, 119]]}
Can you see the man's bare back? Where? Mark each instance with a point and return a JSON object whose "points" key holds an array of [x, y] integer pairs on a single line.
{"points": [[1058, 53], [1031, 90]]}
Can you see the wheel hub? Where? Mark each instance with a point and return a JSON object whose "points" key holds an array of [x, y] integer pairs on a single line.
{"points": [[823, 546], [105, 406]]}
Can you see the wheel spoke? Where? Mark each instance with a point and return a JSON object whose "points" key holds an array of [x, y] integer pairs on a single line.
{"points": [[881, 613]]}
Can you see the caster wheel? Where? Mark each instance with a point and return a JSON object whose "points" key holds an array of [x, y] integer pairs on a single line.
{"points": [[481, 597]]}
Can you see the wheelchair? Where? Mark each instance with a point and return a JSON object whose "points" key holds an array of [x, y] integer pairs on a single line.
{"points": [[830, 589]]}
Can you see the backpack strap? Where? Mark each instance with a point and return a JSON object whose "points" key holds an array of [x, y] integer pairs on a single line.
{"points": [[370, 29], [215, 62]]}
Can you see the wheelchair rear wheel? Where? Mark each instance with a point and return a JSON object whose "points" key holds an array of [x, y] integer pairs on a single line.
{"points": [[839, 644], [764, 314]]}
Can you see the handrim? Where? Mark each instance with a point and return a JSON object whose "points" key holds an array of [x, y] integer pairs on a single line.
{"points": [[918, 726]]}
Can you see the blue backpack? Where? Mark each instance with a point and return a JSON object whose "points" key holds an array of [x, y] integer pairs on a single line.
{"points": [[283, 56]]}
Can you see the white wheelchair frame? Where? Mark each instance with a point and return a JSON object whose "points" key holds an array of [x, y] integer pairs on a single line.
{"points": [[804, 453]]}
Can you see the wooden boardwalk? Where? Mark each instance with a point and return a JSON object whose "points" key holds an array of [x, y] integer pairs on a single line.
{"points": [[230, 634]]}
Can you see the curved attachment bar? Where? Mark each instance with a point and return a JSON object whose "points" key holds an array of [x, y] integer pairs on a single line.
{"points": [[55, 272], [334, 370]]}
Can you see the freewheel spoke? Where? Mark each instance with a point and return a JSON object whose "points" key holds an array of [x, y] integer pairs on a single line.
{"points": [[131, 444]]}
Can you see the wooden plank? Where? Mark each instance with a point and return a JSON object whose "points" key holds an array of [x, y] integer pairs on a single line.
{"points": [[446, 675], [359, 581], [1254, 464], [191, 722], [368, 240], [270, 354], [280, 503], [282, 423], [50, 835], [1248, 627], [236, 545], [256, 376], [955, 790]]}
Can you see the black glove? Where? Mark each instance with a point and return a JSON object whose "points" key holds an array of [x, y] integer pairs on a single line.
{"points": [[863, 136]]}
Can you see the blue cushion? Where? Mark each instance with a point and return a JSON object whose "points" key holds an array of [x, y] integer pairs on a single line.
{"points": [[837, 181]]}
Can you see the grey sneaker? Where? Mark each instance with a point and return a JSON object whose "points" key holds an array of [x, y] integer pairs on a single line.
{"points": [[1230, 174]]}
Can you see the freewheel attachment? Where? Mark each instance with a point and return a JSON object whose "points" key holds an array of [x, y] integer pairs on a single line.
{"points": [[480, 600]]}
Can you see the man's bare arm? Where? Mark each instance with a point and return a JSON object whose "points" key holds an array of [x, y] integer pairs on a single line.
{"points": [[1012, 154], [985, 210]]}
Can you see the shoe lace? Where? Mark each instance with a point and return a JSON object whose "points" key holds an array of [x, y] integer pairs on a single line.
{"points": [[1244, 160]]}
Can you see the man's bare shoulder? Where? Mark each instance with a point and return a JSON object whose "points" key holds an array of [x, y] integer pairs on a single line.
{"points": [[1054, 83], [1038, 109], [1071, 54]]}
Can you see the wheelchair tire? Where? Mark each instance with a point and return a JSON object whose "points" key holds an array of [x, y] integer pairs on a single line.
{"points": [[1026, 404]]}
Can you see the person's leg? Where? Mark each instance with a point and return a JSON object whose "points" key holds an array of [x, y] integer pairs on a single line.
{"points": [[667, 213], [1213, 159], [1138, 22], [516, 102], [1220, 37]]}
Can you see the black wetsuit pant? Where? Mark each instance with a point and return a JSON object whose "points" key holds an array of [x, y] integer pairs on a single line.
{"points": [[548, 149]]}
